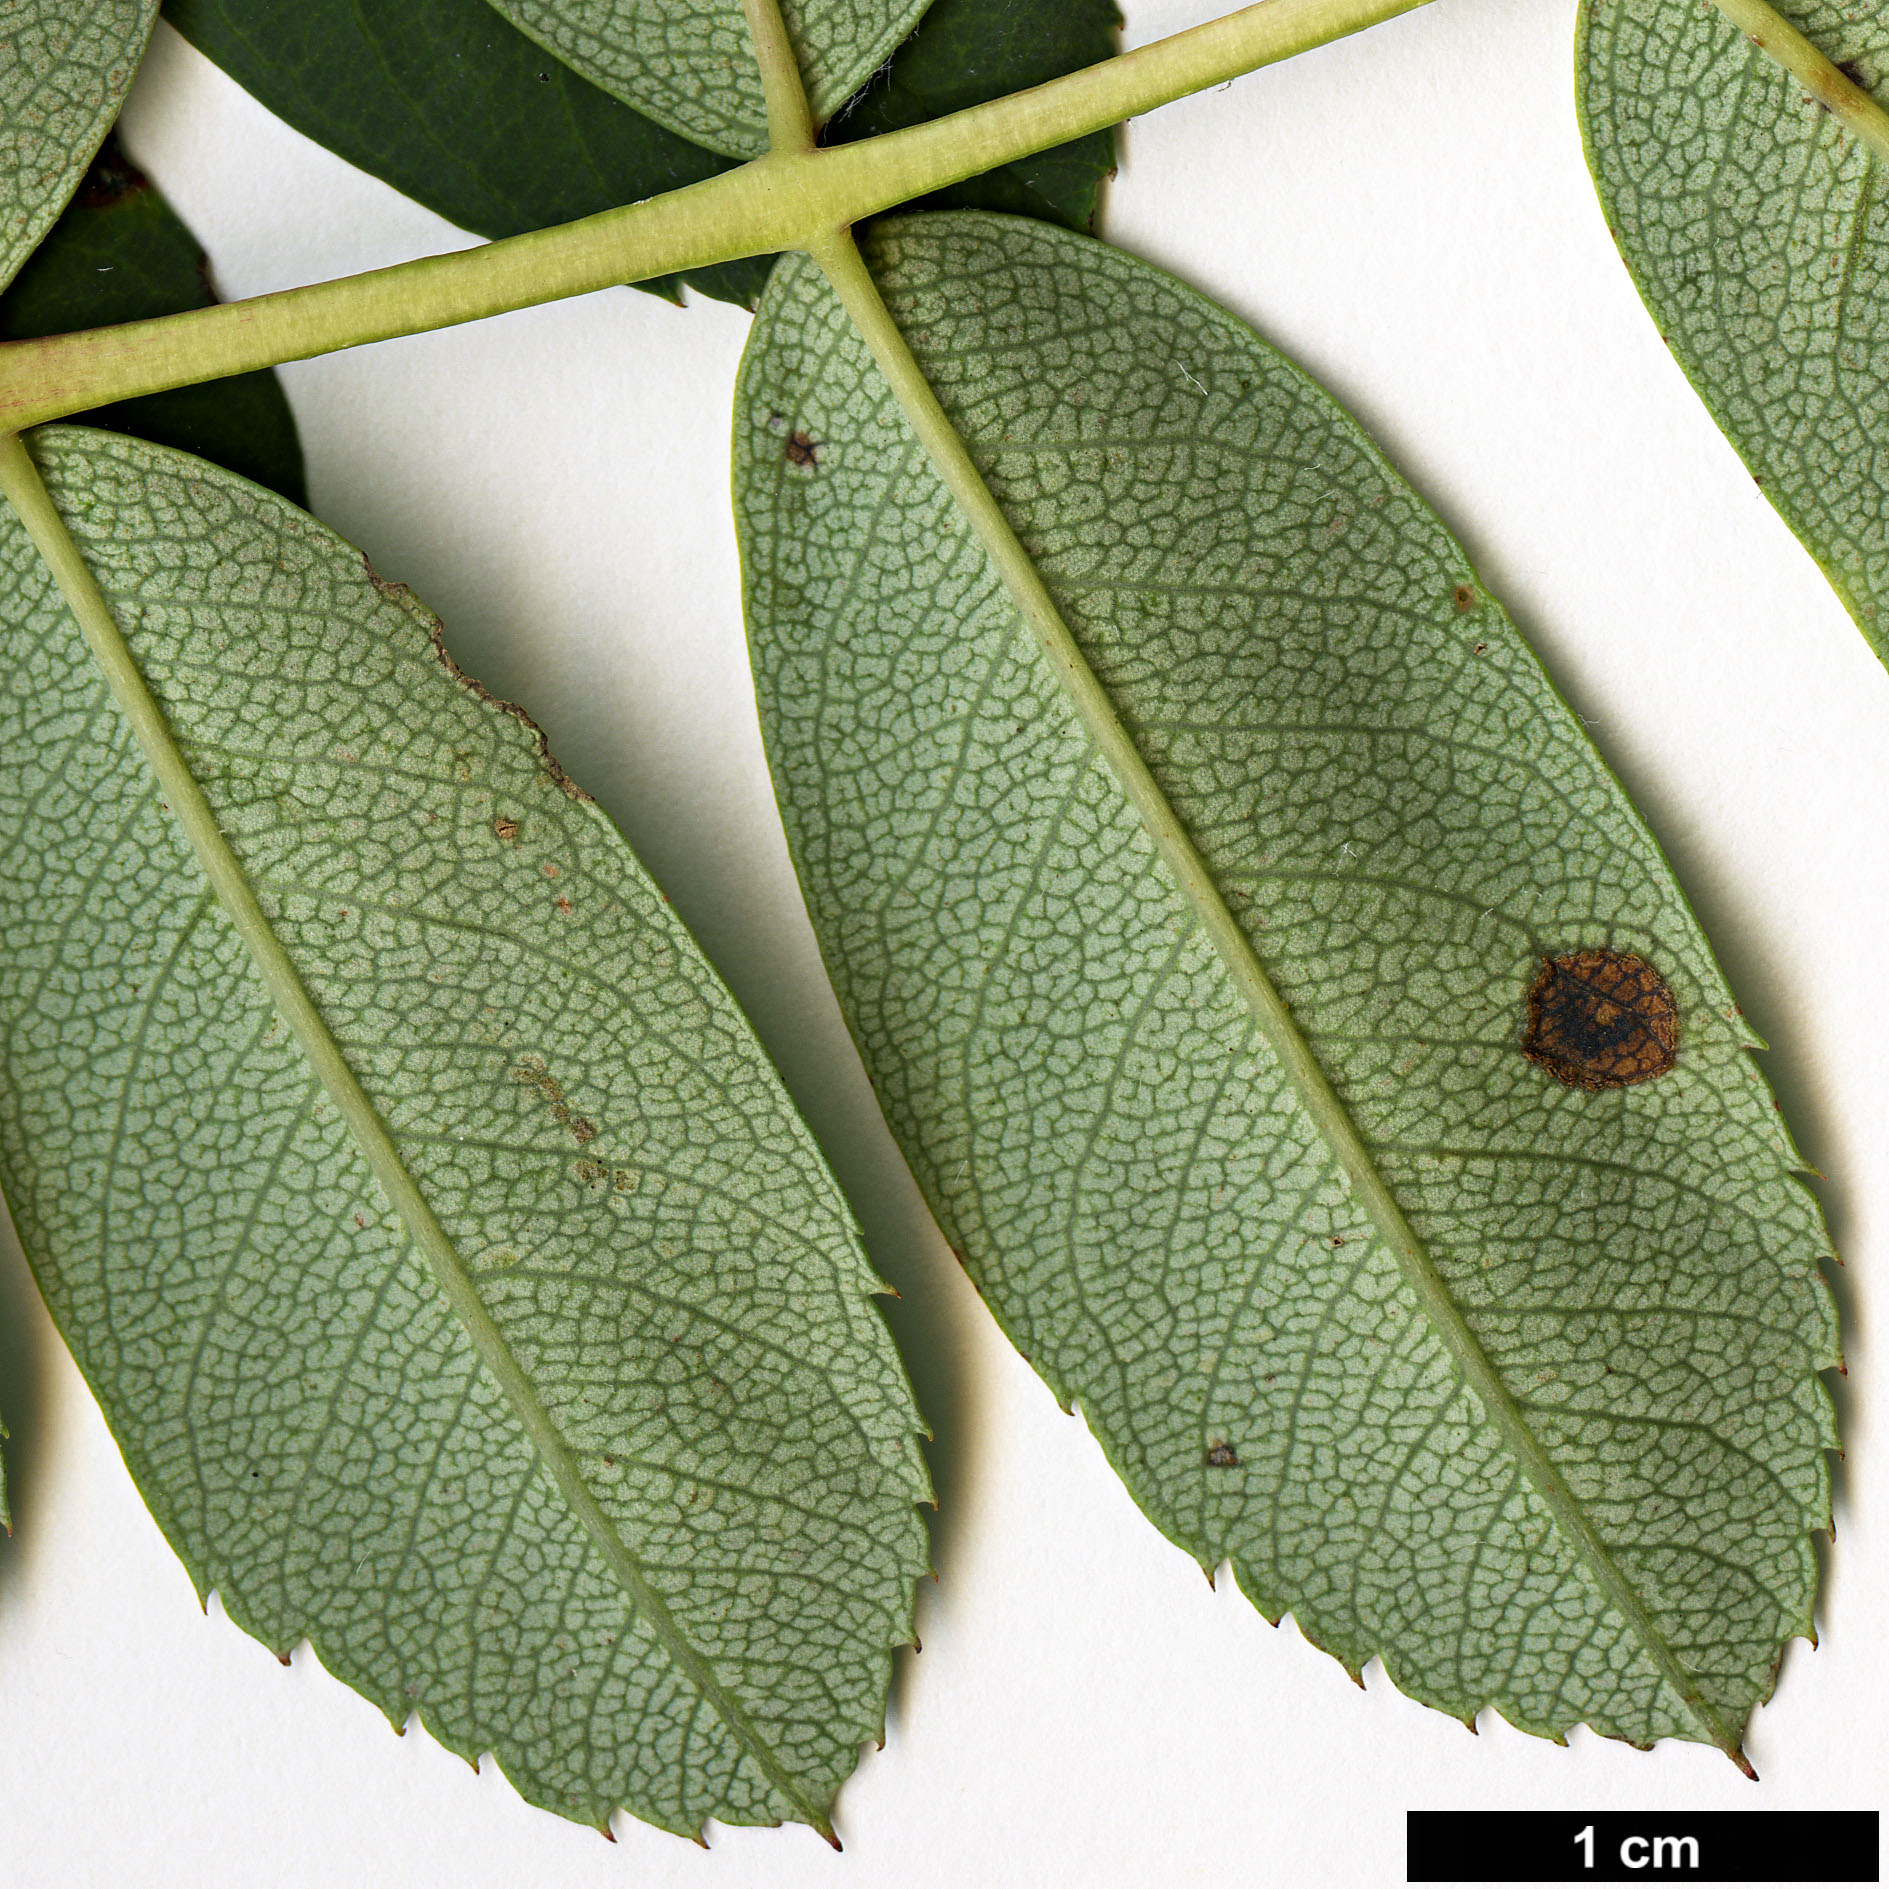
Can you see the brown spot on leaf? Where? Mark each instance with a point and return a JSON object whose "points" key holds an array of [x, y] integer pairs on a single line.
{"points": [[1222, 1456], [505, 829], [1601, 1020], [565, 908], [1464, 598], [802, 449], [530, 1072]]}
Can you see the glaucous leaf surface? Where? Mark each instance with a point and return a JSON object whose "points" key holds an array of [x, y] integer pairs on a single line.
{"points": [[1757, 231], [120, 253], [689, 64], [1406, 822], [446, 102], [666, 1570], [968, 51], [65, 67]]}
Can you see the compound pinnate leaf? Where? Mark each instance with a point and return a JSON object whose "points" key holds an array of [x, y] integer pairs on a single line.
{"points": [[1509, 1381], [617, 1483], [689, 64], [1757, 231], [64, 71]]}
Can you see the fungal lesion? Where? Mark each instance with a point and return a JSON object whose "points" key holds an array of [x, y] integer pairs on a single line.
{"points": [[1601, 1019], [531, 1072]]}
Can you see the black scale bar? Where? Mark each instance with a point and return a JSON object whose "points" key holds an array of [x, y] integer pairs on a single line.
{"points": [[1652, 1846]]}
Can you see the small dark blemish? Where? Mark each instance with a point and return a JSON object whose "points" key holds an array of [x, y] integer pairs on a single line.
{"points": [[1482, 649], [803, 449], [1464, 598], [565, 907], [505, 829], [531, 1073], [1858, 74], [1337, 1240], [1222, 1456], [1601, 1020], [112, 178]]}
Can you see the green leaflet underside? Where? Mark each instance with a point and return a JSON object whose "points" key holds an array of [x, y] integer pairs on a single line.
{"points": [[1757, 230], [120, 253], [64, 71], [65, 66], [648, 1224], [690, 65], [1405, 820]]}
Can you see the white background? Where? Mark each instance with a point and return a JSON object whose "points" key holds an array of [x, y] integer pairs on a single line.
{"points": [[1408, 213]]}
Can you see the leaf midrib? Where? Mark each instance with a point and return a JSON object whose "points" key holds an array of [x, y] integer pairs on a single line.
{"points": [[21, 483], [845, 269]]}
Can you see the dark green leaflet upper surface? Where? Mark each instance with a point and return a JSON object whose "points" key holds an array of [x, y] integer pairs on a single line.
{"points": [[1406, 822], [65, 67], [120, 253], [445, 101], [1757, 230], [708, 1406]]}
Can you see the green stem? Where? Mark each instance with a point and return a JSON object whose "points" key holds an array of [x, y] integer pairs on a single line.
{"points": [[790, 124], [1828, 84], [26, 491], [840, 261], [790, 199]]}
